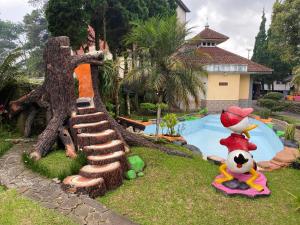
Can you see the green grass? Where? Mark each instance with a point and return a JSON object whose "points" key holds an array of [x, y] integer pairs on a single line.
{"points": [[176, 190], [55, 165], [15, 209], [6, 145], [288, 119]]}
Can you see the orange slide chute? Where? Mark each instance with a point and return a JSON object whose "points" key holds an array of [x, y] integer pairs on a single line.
{"points": [[83, 74]]}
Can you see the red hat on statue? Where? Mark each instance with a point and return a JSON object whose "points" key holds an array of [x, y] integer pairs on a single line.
{"points": [[233, 115]]}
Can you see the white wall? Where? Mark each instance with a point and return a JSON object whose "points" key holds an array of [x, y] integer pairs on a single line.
{"points": [[279, 86], [181, 14]]}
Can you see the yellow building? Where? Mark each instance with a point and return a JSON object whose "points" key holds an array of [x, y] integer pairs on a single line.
{"points": [[229, 81]]}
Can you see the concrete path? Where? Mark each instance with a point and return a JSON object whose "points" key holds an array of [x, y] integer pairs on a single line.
{"points": [[81, 209]]}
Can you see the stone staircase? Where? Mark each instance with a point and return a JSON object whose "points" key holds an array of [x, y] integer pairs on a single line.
{"points": [[94, 135]]}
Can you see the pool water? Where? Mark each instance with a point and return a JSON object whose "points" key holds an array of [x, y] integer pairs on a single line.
{"points": [[206, 133]]}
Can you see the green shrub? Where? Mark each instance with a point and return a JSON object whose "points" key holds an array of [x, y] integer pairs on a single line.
{"points": [[148, 106], [265, 113], [145, 119], [273, 105], [169, 121], [274, 96], [203, 111], [273, 101], [293, 107], [290, 132], [163, 106]]}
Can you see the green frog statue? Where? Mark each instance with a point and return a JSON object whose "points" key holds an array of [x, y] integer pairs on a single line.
{"points": [[137, 166]]}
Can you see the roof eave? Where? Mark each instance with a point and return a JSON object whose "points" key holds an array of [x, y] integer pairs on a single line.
{"points": [[183, 6], [260, 72]]}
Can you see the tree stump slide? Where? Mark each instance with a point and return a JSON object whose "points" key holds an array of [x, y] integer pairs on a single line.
{"points": [[81, 124]]}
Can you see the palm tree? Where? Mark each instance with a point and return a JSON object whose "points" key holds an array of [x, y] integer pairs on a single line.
{"points": [[163, 65], [10, 70], [296, 78]]}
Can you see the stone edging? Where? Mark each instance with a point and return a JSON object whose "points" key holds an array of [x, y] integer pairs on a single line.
{"points": [[81, 209]]}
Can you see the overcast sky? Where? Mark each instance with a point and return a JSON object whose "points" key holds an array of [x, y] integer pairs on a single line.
{"points": [[238, 19]]}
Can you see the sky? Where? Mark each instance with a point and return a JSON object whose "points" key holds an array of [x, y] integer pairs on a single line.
{"points": [[238, 19]]}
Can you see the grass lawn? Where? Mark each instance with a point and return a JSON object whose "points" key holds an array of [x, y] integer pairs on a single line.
{"points": [[176, 190], [288, 119], [15, 209], [55, 165], [5, 145]]}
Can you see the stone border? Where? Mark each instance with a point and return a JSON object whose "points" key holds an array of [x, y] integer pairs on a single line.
{"points": [[81, 209]]}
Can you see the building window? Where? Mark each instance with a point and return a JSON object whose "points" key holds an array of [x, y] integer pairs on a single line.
{"points": [[208, 44], [223, 83]]}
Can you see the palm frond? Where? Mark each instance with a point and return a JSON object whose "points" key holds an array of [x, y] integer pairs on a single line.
{"points": [[10, 70]]}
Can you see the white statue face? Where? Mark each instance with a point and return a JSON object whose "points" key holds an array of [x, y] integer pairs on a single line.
{"points": [[239, 161], [241, 126]]}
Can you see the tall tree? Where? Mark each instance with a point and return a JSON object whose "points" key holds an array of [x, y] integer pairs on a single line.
{"points": [[260, 52], [9, 37], [164, 67], [285, 31], [35, 26], [260, 47], [68, 18]]}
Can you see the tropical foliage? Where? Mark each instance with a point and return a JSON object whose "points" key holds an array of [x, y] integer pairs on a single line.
{"points": [[296, 78], [10, 70], [162, 68], [169, 121]]}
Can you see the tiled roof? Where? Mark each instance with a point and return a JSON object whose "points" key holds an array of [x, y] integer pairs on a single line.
{"points": [[209, 34], [216, 55]]}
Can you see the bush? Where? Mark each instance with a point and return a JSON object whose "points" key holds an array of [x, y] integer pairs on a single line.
{"points": [[273, 101], [274, 96], [293, 107], [169, 121], [148, 106], [273, 105], [290, 132], [145, 119], [265, 113]]}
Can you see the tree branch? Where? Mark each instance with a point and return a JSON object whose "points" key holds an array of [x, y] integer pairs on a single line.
{"points": [[66, 139], [95, 59]]}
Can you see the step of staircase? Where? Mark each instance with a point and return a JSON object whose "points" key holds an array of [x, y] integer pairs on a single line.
{"points": [[101, 160], [88, 118], [108, 147], [111, 173], [81, 185], [91, 127], [86, 110], [86, 139]]}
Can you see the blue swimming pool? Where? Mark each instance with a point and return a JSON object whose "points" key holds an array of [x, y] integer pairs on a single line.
{"points": [[206, 133]]}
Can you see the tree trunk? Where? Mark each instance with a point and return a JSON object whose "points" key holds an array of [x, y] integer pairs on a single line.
{"points": [[29, 121], [128, 103], [158, 114], [57, 93], [117, 96]]}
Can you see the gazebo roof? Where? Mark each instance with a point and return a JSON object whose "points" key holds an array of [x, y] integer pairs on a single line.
{"points": [[210, 35]]}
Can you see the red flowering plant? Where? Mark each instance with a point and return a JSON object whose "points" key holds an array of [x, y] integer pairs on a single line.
{"points": [[2, 112]]}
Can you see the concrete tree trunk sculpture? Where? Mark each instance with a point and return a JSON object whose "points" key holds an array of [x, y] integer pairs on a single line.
{"points": [[57, 96]]}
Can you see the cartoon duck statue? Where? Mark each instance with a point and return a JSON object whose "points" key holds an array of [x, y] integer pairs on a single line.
{"points": [[238, 173]]}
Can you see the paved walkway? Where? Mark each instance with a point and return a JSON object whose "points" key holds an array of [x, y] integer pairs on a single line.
{"points": [[81, 209]]}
